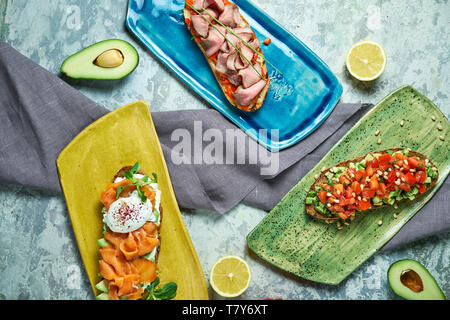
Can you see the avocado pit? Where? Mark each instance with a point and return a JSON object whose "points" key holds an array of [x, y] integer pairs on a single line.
{"points": [[411, 280], [109, 59]]}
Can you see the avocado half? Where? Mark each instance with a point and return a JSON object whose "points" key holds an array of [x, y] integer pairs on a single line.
{"points": [[411, 280], [105, 60]]}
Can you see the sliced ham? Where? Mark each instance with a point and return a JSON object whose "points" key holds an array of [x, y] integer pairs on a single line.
{"points": [[221, 65], [244, 96], [235, 79], [249, 76], [200, 25], [217, 4], [228, 17], [242, 62], [255, 44], [227, 47], [246, 33], [231, 61], [198, 4], [237, 16], [214, 41]]}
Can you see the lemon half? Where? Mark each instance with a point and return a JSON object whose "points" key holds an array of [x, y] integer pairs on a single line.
{"points": [[366, 60], [230, 276]]}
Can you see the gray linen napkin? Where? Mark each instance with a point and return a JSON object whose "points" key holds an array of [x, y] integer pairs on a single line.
{"points": [[41, 114]]}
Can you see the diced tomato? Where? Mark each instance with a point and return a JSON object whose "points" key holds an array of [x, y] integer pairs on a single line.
{"points": [[400, 163], [351, 171], [405, 187], [331, 199], [420, 176], [344, 180], [342, 215], [421, 165], [322, 195], [339, 187], [368, 193], [356, 187], [359, 175], [370, 171], [410, 179], [385, 158], [374, 163], [349, 192], [267, 41], [384, 166], [413, 162], [327, 187], [422, 188], [399, 156], [383, 188], [391, 176], [337, 208], [364, 205], [374, 183]]}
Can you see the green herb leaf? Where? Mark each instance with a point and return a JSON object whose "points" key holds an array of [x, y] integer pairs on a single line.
{"points": [[141, 193], [168, 292], [135, 168], [120, 189], [129, 175], [145, 179], [155, 178]]}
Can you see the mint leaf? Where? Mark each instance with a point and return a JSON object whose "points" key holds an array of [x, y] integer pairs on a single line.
{"points": [[135, 168], [168, 292], [155, 178], [129, 175]]}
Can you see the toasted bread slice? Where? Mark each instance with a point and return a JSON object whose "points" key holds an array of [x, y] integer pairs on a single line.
{"points": [[121, 174], [258, 101], [323, 179]]}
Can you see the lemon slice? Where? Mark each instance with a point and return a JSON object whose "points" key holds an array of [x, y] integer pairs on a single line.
{"points": [[366, 60], [230, 276]]}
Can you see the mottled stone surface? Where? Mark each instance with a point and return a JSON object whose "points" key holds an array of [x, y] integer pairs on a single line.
{"points": [[39, 258]]}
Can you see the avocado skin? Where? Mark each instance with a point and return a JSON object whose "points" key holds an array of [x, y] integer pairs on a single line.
{"points": [[431, 290], [104, 74]]}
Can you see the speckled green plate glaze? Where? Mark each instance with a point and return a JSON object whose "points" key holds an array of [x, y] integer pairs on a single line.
{"points": [[295, 242]]}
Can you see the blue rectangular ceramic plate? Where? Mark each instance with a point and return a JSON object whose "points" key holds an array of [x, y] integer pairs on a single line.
{"points": [[297, 102]]}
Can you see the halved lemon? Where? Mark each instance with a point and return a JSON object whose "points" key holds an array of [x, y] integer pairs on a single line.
{"points": [[230, 276], [366, 60]]}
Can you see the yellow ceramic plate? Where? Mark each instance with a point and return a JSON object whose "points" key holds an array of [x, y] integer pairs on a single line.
{"points": [[89, 162]]}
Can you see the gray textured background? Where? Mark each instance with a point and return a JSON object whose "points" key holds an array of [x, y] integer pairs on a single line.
{"points": [[39, 258]]}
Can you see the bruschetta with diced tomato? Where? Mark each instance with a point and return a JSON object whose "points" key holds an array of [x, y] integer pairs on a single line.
{"points": [[371, 181]]}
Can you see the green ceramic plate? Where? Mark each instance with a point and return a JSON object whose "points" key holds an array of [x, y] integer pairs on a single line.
{"points": [[295, 242]]}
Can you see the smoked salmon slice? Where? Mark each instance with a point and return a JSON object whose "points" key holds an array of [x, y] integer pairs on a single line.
{"points": [[122, 263]]}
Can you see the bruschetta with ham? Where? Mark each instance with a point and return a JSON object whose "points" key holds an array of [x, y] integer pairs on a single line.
{"points": [[232, 50]]}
